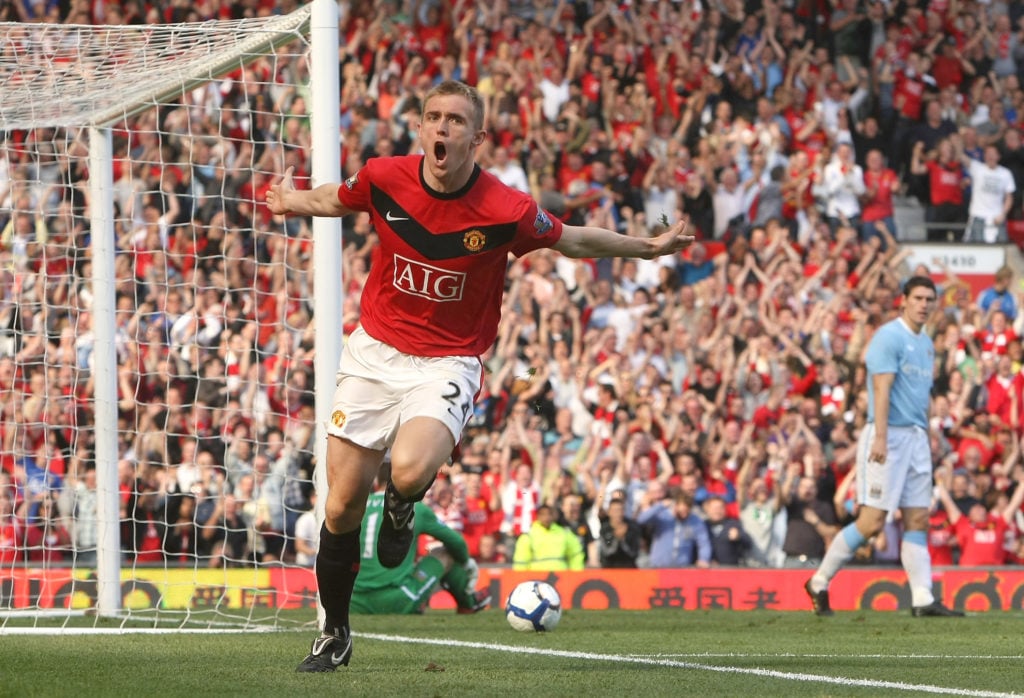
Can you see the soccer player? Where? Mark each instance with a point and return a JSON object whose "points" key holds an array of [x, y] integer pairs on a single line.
{"points": [[430, 307], [894, 465], [408, 587]]}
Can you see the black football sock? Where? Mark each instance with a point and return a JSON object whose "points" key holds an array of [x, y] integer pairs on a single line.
{"points": [[396, 497], [337, 564]]}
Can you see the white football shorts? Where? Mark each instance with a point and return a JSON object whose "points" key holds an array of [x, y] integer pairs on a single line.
{"points": [[380, 388], [905, 479]]}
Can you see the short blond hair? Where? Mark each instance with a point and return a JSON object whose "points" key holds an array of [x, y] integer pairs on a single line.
{"points": [[454, 87]]}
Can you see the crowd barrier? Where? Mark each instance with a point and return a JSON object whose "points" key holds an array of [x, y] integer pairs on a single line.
{"points": [[881, 589]]}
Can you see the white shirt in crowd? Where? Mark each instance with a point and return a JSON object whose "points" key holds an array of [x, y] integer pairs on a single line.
{"points": [[511, 175], [727, 201], [989, 187], [307, 530], [843, 185]]}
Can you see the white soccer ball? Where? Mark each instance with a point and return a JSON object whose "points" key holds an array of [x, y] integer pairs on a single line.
{"points": [[533, 606]]}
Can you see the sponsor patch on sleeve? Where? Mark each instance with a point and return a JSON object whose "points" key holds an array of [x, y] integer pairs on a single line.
{"points": [[542, 224], [352, 181]]}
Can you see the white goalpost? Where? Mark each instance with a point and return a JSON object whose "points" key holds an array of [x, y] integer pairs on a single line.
{"points": [[160, 339]]}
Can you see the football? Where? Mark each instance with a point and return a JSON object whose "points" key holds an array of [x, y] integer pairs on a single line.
{"points": [[533, 606]]}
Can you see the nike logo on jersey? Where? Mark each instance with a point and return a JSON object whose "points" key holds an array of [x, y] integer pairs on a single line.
{"points": [[440, 244]]}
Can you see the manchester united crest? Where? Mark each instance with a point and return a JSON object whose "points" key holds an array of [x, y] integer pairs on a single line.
{"points": [[474, 240], [338, 417]]}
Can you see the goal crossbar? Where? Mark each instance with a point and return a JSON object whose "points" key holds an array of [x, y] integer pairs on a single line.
{"points": [[107, 76]]}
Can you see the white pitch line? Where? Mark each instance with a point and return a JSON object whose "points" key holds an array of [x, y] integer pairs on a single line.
{"points": [[136, 631], [768, 673], [765, 655]]}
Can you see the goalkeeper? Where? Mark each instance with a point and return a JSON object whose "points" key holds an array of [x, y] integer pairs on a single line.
{"points": [[408, 587]]}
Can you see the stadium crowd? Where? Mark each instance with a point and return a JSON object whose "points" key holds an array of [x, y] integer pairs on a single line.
{"points": [[695, 411]]}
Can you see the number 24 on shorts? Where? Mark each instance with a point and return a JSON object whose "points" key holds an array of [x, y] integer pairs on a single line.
{"points": [[452, 396]]}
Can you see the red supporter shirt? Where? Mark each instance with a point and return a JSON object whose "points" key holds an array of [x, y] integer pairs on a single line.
{"points": [[434, 39], [1003, 44], [477, 522], [947, 71], [967, 443], [45, 546], [995, 342], [590, 85], [944, 182], [880, 205], [9, 539], [833, 399], [435, 283], [981, 545], [800, 198], [1003, 392], [940, 534], [567, 175], [911, 90]]}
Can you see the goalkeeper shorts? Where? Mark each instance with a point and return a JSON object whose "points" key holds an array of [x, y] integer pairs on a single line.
{"points": [[410, 593]]}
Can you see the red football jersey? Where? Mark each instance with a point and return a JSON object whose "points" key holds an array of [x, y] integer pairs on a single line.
{"points": [[437, 277], [981, 545], [944, 181]]}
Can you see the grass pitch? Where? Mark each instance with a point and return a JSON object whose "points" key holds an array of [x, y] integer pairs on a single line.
{"points": [[592, 653]]}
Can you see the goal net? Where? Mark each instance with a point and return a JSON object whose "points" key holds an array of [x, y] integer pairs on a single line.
{"points": [[180, 499]]}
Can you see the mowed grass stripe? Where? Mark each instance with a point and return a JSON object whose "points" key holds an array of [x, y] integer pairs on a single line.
{"points": [[593, 654], [633, 659]]}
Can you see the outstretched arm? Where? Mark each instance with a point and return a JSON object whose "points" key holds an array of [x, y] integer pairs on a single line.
{"points": [[583, 241], [284, 198]]}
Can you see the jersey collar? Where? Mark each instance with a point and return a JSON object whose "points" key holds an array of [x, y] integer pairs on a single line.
{"points": [[908, 328], [453, 194]]}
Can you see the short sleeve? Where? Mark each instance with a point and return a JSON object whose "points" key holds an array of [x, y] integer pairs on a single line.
{"points": [[974, 169], [535, 229], [354, 192], [883, 352]]}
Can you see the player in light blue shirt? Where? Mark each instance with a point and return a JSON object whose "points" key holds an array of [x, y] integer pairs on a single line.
{"points": [[894, 464], [910, 357]]}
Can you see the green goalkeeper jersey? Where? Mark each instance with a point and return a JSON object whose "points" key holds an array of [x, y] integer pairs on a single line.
{"points": [[373, 575]]}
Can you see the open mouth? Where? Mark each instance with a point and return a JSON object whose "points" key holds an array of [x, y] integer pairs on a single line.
{"points": [[440, 152]]}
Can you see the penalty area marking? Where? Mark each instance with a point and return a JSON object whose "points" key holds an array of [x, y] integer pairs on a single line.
{"points": [[652, 661]]}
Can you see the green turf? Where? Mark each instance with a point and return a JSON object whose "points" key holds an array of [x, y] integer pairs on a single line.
{"points": [[977, 655]]}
